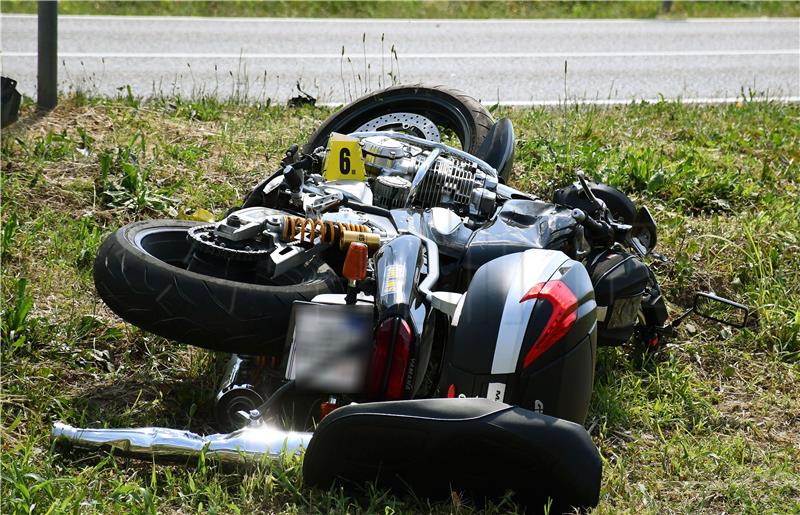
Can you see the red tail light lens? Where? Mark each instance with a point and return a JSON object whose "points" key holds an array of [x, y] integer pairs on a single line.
{"points": [[389, 363], [564, 305]]}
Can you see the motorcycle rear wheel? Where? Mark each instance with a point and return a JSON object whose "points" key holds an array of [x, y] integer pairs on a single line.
{"points": [[447, 108], [140, 272]]}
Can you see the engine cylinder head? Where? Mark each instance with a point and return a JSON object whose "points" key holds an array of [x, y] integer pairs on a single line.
{"points": [[381, 152], [448, 182]]}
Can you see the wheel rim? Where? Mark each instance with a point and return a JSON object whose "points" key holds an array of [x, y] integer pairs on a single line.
{"points": [[163, 244]]}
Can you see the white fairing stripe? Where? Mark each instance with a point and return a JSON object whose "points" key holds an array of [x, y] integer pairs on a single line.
{"points": [[537, 266]]}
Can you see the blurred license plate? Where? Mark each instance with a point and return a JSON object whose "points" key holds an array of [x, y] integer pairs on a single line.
{"points": [[330, 346]]}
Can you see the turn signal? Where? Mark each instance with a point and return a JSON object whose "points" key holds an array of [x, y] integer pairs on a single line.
{"points": [[355, 263], [564, 305]]}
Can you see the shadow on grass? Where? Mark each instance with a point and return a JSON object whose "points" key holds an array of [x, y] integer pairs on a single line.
{"points": [[30, 119], [177, 403]]}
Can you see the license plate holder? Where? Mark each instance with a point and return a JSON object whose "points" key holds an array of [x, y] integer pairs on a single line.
{"points": [[329, 346]]}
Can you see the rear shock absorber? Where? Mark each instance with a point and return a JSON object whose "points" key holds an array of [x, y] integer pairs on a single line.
{"points": [[307, 229]]}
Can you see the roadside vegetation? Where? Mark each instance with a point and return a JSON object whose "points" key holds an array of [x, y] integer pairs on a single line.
{"points": [[421, 9], [710, 425]]}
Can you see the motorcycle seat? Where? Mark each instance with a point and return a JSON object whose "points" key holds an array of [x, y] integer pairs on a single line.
{"points": [[474, 445]]}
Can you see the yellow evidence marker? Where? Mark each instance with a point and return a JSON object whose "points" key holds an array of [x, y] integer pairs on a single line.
{"points": [[344, 160]]}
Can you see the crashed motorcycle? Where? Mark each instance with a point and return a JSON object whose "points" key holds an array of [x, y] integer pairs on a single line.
{"points": [[394, 308]]}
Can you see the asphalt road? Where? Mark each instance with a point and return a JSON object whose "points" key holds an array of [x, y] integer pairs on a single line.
{"points": [[511, 61]]}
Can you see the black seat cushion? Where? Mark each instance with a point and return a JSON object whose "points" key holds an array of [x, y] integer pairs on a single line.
{"points": [[477, 446]]}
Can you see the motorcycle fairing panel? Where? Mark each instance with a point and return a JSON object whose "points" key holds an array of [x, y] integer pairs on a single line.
{"points": [[519, 225], [398, 266], [498, 148]]}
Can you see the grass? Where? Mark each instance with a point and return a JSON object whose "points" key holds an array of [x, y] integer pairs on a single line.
{"points": [[710, 425], [420, 9]]}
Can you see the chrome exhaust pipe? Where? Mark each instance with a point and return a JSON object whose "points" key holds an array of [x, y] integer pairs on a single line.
{"points": [[242, 446]]}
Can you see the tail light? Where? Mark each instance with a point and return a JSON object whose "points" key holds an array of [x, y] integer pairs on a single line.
{"points": [[389, 363], [564, 305]]}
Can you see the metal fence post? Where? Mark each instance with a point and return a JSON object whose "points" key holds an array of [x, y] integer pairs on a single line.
{"points": [[47, 79]]}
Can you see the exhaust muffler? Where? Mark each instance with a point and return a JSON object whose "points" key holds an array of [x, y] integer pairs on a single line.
{"points": [[245, 445]]}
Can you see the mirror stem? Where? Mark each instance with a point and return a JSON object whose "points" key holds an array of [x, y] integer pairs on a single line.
{"points": [[675, 323]]}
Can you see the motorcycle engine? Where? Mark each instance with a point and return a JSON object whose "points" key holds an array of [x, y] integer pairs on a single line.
{"points": [[390, 192], [450, 182]]}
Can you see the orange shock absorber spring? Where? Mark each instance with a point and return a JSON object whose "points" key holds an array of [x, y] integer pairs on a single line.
{"points": [[329, 232]]}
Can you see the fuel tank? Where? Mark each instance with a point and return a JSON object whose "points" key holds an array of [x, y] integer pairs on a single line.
{"points": [[525, 333], [519, 225]]}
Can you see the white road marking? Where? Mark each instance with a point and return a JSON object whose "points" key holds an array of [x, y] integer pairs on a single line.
{"points": [[536, 21], [460, 55], [621, 101]]}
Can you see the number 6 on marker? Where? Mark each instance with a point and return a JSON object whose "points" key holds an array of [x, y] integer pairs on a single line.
{"points": [[344, 161]]}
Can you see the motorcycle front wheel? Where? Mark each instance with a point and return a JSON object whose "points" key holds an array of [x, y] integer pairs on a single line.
{"points": [[423, 111], [141, 274]]}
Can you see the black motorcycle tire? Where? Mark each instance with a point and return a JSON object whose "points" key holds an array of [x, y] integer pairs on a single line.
{"points": [[462, 114], [140, 278]]}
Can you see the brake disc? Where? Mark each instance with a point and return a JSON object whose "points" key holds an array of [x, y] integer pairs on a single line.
{"points": [[415, 124]]}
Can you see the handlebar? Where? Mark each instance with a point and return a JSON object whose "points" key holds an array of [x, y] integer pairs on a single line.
{"points": [[598, 230]]}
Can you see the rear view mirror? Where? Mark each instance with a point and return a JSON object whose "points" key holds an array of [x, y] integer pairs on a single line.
{"points": [[726, 311], [643, 231]]}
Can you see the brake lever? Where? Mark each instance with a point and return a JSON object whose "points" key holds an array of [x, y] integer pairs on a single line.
{"points": [[585, 186], [289, 155], [637, 246]]}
